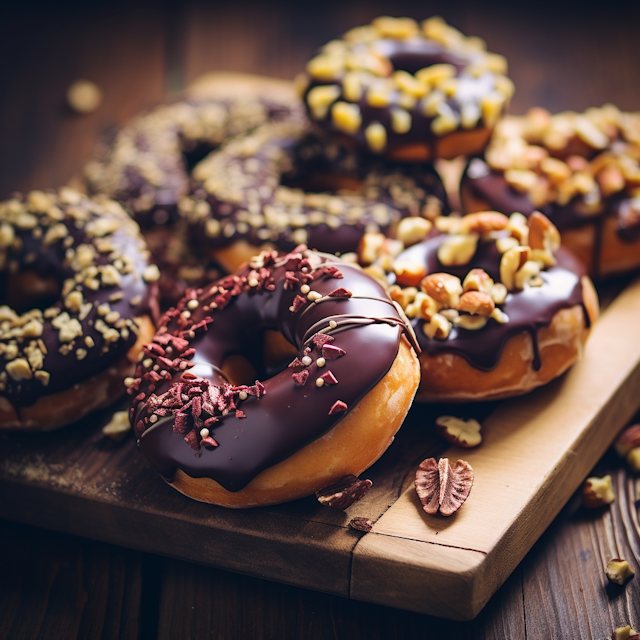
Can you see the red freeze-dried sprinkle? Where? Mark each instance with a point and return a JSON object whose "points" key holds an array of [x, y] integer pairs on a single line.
{"points": [[298, 303], [329, 378], [338, 407], [340, 293], [192, 439], [300, 378], [295, 363], [208, 440], [331, 352], [240, 414], [320, 339]]}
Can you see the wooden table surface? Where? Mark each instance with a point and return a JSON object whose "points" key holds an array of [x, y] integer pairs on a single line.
{"points": [[56, 586]]}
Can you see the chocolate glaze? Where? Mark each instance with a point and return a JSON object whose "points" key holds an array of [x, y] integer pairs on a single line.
{"points": [[528, 310], [294, 155], [30, 254], [286, 417]]}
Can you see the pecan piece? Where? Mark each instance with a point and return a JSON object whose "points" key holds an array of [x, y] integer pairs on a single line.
{"points": [[344, 492], [464, 433], [484, 222], [597, 492], [361, 524], [476, 302], [443, 487]]}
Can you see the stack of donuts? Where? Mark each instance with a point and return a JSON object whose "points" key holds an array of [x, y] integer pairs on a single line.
{"points": [[312, 275]]}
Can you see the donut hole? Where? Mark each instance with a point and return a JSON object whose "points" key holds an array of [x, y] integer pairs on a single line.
{"points": [[28, 290], [413, 55]]}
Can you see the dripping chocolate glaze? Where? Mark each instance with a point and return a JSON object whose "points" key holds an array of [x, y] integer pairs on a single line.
{"points": [[288, 416], [528, 310]]}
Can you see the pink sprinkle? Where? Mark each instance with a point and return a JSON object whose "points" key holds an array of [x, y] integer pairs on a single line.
{"points": [[295, 363], [338, 407], [331, 352], [329, 378], [298, 302], [192, 440], [208, 440], [240, 414], [320, 339], [300, 378], [340, 293]]}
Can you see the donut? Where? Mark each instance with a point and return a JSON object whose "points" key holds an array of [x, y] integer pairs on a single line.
{"points": [[146, 164], [582, 170], [410, 92], [284, 185], [78, 297], [219, 435], [498, 307]]}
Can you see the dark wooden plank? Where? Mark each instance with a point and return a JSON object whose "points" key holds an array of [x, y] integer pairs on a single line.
{"points": [[566, 592], [197, 602], [61, 587]]}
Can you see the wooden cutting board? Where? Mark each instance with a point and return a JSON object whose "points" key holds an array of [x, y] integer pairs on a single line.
{"points": [[536, 451]]}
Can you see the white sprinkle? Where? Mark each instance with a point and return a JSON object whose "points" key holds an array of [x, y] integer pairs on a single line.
{"points": [[204, 432], [147, 362], [333, 324], [313, 296], [242, 395], [319, 382], [253, 282], [128, 382], [192, 304], [306, 361], [321, 362], [304, 289], [153, 419]]}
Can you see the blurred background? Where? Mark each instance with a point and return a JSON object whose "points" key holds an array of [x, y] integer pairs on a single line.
{"points": [[561, 56]]}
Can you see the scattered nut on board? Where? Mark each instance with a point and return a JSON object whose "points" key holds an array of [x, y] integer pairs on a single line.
{"points": [[597, 492], [627, 446], [361, 524], [625, 633], [464, 433], [344, 492], [118, 427], [84, 96], [442, 487], [619, 571]]}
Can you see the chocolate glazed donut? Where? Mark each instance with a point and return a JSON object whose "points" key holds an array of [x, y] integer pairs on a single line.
{"points": [[333, 411], [497, 306], [411, 92], [580, 170], [85, 264], [147, 165], [262, 189]]}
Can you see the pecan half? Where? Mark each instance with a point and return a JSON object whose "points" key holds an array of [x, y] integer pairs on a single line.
{"points": [[344, 492], [443, 487]]}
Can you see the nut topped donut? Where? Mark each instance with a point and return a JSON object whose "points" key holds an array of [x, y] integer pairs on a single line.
{"points": [[228, 439], [146, 166], [77, 292], [582, 170], [497, 306], [411, 92], [263, 189]]}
